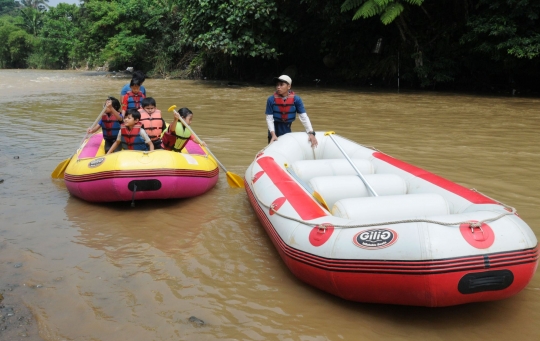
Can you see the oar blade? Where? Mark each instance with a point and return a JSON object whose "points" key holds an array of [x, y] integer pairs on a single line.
{"points": [[320, 200], [235, 180], [58, 172]]}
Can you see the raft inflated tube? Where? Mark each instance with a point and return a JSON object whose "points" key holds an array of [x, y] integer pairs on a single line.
{"points": [[391, 208], [335, 188], [307, 169]]}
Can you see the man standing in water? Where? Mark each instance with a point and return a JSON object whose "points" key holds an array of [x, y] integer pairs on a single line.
{"points": [[281, 110]]}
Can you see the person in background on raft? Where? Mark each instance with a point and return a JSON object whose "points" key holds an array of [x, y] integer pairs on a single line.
{"points": [[281, 110], [141, 77], [110, 122], [152, 121], [132, 99], [177, 135], [132, 135]]}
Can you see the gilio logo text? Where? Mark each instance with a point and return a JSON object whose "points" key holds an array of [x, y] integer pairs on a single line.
{"points": [[375, 238]]}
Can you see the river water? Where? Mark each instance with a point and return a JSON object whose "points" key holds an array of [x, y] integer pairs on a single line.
{"points": [[72, 270]]}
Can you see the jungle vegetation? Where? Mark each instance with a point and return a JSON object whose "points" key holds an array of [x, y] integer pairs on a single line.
{"points": [[491, 45]]}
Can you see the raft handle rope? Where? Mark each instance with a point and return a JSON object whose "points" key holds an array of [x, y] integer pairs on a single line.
{"points": [[472, 224], [133, 196]]}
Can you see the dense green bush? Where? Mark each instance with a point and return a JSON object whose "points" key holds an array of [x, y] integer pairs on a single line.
{"points": [[476, 44]]}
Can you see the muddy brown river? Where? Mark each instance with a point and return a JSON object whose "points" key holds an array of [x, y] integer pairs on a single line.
{"points": [[72, 270]]}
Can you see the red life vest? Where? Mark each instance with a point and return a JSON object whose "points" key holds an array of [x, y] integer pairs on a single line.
{"points": [[131, 139], [176, 141], [134, 100], [284, 106], [110, 126], [153, 124]]}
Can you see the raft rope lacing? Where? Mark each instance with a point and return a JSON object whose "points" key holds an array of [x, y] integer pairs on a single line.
{"points": [[324, 226]]}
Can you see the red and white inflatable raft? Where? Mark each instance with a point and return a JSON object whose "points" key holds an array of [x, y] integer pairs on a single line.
{"points": [[413, 241]]}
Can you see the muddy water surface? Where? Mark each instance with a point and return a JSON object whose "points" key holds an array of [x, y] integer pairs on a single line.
{"points": [[71, 270]]}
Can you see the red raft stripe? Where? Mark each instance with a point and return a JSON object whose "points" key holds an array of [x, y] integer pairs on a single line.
{"points": [[302, 203], [141, 173], [417, 267], [463, 192]]}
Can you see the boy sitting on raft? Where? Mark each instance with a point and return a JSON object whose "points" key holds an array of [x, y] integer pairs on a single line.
{"points": [[152, 121], [110, 122], [177, 135], [132, 99], [132, 135]]}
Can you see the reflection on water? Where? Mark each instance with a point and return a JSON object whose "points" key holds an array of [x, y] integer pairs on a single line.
{"points": [[112, 272]]}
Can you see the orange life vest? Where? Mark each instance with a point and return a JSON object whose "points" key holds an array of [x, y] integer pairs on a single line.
{"points": [[153, 124]]}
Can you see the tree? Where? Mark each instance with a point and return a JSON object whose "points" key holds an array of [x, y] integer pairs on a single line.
{"points": [[57, 38], [40, 5], [8, 6], [388, 10], [16, 44], [31, 20], [233, 28], [505, 28]]}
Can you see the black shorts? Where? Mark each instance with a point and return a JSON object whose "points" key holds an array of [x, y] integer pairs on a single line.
{"points": [[108, 145], [157, 144]]}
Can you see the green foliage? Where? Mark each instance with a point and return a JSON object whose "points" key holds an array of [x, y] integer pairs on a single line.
{"points": [[16, 43], [432, 43], [114, 33], [31, 20], [233, 28], [124, 49], [391, 13], [57, 38], [503, 29], [388, 10], [40, 5], [8, 6]]}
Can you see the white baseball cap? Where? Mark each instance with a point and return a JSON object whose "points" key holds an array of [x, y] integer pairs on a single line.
{"points": [[283, 78]]}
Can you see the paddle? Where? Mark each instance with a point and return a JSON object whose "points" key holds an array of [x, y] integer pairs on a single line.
{"points": [[308, 188], [58, 172], [233, 180], [329, 134]]}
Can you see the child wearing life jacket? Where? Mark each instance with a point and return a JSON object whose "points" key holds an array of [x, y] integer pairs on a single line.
{"points": [[177, 135], [136, 75], [132, 99], [110, 122], [152, 121], [132, 135]]}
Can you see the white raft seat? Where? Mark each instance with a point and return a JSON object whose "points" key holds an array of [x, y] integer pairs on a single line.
{"points": [[391, 208], [307, 169], [335, 188]]}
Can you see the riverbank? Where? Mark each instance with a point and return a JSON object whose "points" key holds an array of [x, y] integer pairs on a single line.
{"points": [[17, 321]]}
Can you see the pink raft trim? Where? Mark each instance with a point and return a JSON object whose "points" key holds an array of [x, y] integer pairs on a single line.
{"points": [[91, 148], [116, 189]]}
